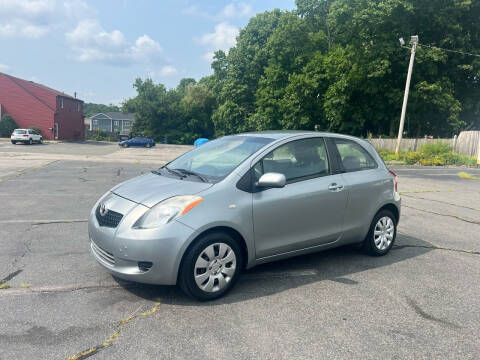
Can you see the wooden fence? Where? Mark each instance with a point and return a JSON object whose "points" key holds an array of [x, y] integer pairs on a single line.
{"points": [[466, 143]]}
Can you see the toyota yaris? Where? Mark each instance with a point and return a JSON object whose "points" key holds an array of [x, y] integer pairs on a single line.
{"points": [[243, 200]]}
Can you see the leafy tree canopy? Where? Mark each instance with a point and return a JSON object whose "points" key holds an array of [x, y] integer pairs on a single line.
{"points": [[7, 125], [337, 64]]}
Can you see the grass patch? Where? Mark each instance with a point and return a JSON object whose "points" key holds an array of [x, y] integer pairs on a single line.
{"points": [[25, 286], [465, 175], [438, 154], [4, 286]]}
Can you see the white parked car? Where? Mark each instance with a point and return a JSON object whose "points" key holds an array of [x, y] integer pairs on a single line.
{"points": [[27, 136]]}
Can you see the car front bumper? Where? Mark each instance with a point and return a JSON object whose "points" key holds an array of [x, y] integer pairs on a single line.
{"points": [[143, 255]]}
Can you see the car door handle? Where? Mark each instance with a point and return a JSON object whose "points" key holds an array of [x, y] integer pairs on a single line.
{"points": [[335, 187]]}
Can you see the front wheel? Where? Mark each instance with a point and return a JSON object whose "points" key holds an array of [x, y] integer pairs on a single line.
{"points": [[125, 145], [148, 145], [382, 234], [40, 141], [211, 267]]}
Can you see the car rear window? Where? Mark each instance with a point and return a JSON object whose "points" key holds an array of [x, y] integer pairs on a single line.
{"points": [[20, 132]]}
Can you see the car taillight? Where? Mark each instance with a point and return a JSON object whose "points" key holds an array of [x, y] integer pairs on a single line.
{"points": [[395, 179], [13, 134], [25, 134]]}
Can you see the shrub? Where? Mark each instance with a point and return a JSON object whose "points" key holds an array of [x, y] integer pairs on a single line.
{"points": [[100, 135], [413, 157], [431, 150], [7, 125], [437, 154]]}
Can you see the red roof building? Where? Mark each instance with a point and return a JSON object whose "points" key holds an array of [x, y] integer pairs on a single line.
{"points": [[57, 115]]}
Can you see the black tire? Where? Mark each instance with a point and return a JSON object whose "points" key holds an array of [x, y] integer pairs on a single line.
{"points": [[40, 141], [30, 142], [369, 245], [14, 142], [148, 145], [186, 275], [125, 145]]}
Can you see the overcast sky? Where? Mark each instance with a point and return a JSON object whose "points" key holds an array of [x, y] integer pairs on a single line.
{"points": [[97, 48]]}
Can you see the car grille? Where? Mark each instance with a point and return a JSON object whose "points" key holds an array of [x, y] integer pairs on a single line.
{"points": [[111, 219], [102, 254]]}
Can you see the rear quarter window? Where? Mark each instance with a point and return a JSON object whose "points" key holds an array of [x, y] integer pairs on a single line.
{"points": [[353, 156]]}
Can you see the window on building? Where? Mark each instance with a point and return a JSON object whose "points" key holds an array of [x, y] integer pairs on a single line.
{"points": [[61, 103], [126, 124], [78, 106]]}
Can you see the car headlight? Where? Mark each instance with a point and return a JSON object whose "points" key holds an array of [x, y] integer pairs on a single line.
{"points": [[167, 210]]}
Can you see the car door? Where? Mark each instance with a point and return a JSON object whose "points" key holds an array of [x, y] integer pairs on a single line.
{"points": [[135, 141], [365, 184], [309, 210]]}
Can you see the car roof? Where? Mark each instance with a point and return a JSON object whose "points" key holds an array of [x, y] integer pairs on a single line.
{"points": [[280, 134]]}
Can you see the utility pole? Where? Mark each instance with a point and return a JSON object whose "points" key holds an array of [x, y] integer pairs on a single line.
{"points": [[414, 40]]}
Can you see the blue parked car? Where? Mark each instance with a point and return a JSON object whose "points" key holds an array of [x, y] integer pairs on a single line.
{"points": [[137, 141]]}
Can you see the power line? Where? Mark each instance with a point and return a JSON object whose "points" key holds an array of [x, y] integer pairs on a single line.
{"points": [[453, 51]]}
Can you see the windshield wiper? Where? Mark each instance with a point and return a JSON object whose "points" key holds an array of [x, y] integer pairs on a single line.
{"points": [[190, 172], [173, 171]]}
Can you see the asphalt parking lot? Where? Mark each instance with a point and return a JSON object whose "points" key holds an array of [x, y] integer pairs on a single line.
{"points": [[420, 301]]}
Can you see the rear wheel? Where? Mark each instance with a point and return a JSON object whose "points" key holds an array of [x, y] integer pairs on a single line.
{"points": [[40, 141], [211, 267], [14, 142], [148, 145], [125, 145], [30, 142], [382, 234]]}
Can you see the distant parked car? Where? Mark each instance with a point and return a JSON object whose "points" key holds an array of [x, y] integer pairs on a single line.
{"points": [[27, 136], [137, 141]]}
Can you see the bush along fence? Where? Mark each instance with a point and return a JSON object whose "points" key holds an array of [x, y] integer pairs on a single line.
{"points": [[461, 150], [467, 143]]}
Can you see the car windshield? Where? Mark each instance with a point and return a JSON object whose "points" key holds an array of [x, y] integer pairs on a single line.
{"points": [[20, 131], [218, 158]]}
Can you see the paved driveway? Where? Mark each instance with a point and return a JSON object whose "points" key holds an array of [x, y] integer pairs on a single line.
{"points": [[420, 301]]}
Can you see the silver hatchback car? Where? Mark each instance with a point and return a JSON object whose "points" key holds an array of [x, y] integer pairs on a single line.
{"points": [[244, 200]]}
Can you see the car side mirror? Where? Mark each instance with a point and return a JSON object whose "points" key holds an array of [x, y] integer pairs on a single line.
{"points": [[272, 180]]}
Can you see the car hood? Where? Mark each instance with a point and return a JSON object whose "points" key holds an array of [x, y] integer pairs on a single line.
{"points": [[150, 189]]}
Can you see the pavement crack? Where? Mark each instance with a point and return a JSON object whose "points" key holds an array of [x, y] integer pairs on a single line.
{"points": [[436, 248], [446, 215], [107, 343], [10, 276], [44, 222], [47, 222], [26, 171], [427, 316], [442, 202]]}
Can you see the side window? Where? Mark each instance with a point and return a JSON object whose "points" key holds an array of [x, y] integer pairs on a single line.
{"points": [[300, 159], [354, 157]]}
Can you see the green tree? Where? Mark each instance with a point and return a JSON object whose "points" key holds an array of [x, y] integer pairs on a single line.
{"points": [[90, 109], [7, 125]]}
